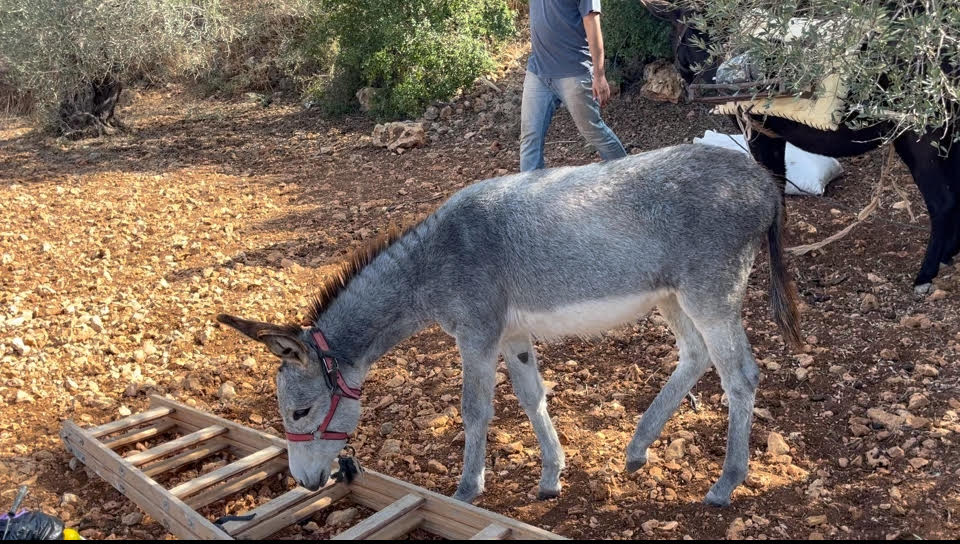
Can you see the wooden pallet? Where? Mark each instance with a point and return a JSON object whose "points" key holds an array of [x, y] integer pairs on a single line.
{"points": [[400, 507]]}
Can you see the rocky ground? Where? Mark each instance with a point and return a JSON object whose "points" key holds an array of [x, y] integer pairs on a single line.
{"points": [[116, 253]]}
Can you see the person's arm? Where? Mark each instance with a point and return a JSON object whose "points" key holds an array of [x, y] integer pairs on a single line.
{"points": [[601, 90]]}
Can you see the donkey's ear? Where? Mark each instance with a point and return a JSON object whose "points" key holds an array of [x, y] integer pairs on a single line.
{"points": [[284, 342]]}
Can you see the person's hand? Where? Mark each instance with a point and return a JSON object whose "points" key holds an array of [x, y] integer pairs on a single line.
{"points": [[601, 89]]}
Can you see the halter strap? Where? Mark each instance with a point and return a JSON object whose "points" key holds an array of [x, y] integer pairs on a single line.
{"points": [[341, 389]]}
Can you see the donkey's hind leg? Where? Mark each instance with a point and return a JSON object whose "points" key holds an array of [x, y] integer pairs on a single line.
{"points": [[694, 361], [522, 362], [723, 333], [479, 379]]}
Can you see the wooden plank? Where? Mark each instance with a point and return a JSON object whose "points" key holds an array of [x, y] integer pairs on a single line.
{"points": [[195, 419], [269, 509], [146, 493], [173, 446], [211, 478], [399, 528], [494, 531], [450, 529], [130, 421], [382, 518], [138, 435], [446, 508], [292, 515], [185, 458], [252, 478]]}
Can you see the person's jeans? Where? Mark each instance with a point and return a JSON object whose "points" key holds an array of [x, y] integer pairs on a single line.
{"points": [[541, 96]]}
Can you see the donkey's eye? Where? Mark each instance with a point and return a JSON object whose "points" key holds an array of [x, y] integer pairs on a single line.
{"points": [[300, 413]]}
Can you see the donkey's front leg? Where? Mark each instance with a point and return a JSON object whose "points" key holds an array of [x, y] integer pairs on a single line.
{"points": [[527, 384], [479, 379]]}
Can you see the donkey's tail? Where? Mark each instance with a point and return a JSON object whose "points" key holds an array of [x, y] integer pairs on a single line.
{"points": [[783, 292]]}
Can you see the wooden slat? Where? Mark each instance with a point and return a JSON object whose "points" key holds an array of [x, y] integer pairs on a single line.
{"points": [[269, 509], [466, 517], [212, 478], [494, 531], [450, 529], [185, 458], [138, 435], [382, 518], [146, 493], [194, 419], [130, 421], [174, 446], [293, 515], [239, 484], [400, 528]]}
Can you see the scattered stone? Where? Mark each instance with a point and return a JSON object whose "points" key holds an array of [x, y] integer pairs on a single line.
{"points": [[674, 450], [431, 114], [390, 445], [342, 517], [649, 525], [23, 397], [776, 445], [662, 82], [131, 519], [928, 370], [399, 135], [436, 467], [735, 530], [256, 419], [917, 401], [869, 303], [886, 419], [311, 527], [69, 499], [227, 391], [432, 421], [816, 520], [918, 462]]}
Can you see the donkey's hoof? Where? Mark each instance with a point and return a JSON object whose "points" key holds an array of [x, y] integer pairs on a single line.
{"points": [[546, 494], [466, 496], [635, 465], [923, 289], [714, 499]]}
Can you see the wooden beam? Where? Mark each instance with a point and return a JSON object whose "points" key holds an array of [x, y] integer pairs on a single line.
{"points": [[195, 419], [130, 421], [494, 531], [383, 518], [138, 435], [269, 509], [185, 458], [214, 477], [293, 515], [146, 493], [239, 484], [399, 528], [174, 446]]}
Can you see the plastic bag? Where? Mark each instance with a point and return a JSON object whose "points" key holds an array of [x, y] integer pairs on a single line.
{"points": [[31, 526], [807, 174]]}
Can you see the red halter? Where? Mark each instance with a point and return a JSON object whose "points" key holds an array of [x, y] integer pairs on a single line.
{"points": [[335, 379]]}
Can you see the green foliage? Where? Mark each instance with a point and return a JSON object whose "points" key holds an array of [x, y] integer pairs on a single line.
{"points": [[412, 51], [900, 59], [632, 37], [56, 49]]}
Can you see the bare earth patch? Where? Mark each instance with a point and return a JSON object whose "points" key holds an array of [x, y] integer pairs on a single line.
{"points": [[116, 253]]}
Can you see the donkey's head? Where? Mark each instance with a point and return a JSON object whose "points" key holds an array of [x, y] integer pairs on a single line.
{"points": [[319, 410]]}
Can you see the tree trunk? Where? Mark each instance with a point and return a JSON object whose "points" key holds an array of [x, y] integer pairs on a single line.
{"points": [[92, 108]]}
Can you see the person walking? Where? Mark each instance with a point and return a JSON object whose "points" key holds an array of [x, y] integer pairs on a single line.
{"points": [[566, 66]]}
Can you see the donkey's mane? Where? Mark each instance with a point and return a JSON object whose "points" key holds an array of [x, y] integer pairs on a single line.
{"points": [[359, 258]]}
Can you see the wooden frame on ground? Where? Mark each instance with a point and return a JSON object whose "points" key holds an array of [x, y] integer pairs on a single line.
{"points": [[400, 507]]}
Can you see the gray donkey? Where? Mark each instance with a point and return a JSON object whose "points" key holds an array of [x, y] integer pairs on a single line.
{"points": [[545, 254]]}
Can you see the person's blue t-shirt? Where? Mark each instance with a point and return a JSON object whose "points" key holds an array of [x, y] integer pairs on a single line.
{"points": [[558, 39]]}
